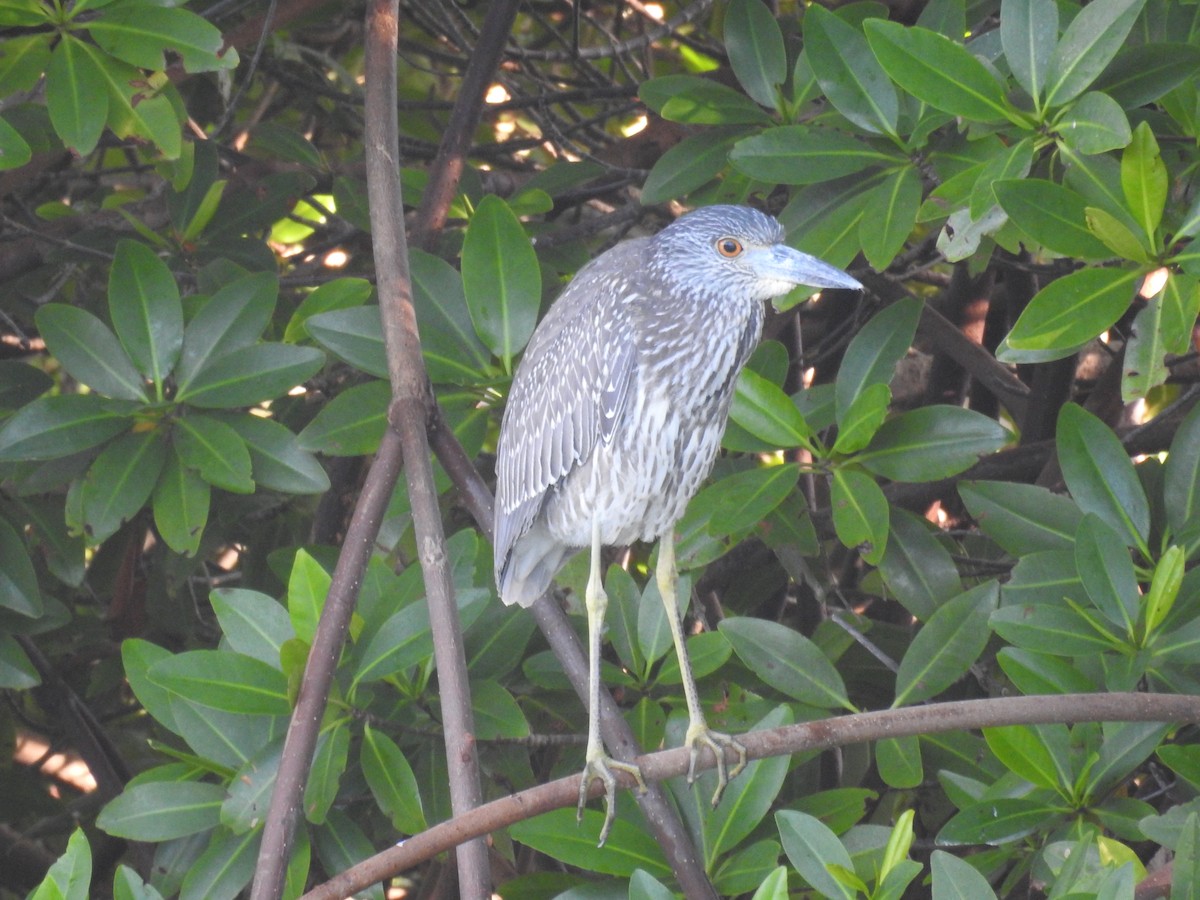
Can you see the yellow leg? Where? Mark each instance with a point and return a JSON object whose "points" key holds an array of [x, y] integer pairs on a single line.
{"points": [[698, 733], [598, 763]]}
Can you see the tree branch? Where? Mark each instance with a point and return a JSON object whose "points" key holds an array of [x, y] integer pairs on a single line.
{"points": [[805, 736]]}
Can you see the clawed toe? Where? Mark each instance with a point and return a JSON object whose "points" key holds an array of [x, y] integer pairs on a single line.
{"points": [[602, 768], [719, 744]]}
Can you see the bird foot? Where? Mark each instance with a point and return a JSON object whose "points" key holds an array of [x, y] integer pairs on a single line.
{"points": [[602, 767], [700, 735]]}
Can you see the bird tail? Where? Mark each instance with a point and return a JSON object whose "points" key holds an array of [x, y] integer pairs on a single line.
{"points": [[526, 572]]}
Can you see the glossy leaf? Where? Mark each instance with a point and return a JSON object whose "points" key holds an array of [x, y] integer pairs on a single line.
{"points": [[1044, 577], [231, 320], [258, 373], [1040, 673], [1142, 73], [1095, 123], [16, 670], [932, 442], [402, 641], [254, 624], [889, 216], [70, 876], [761, 408], [224, 868], [224, 681], [690, 164], [800, 154], [938, 71], [352, 424], [392, 781], [1145, 353], [1087, 46], [747, 498], [1025, 751], [216, 451], [143, 301], [703, 102], [18, 581], [860, 512], [916, 567], [501, 279], [848, 72], [1100, 475], [787, 661], [996, 822], [946, 646], [1180, 305], [277, 460], [249, 794], [342, 293], [560, 837], [496, 712], [898, 761], [329, 762], [811, 848], [353, 335], [1052, 215], [1029, 33], [1107, 571], [755, 47], [139, 35], [1116, 235], [1144, 180], [872, 355], [75, 95], [89, 351], [1022, 518], [163, 810], [308, 585], [1050, 629], [957, 879], [453, 352], [121, 480], [181, 505], [1181, 475], [863, 418], [1074, 309]]}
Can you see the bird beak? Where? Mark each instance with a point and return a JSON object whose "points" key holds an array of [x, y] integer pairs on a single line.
{"points": [[782, 263]]}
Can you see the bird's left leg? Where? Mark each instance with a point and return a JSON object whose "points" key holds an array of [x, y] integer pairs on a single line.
{"points": [[698, 733], [598, 763]]}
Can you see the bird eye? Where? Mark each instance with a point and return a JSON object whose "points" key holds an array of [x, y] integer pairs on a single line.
{"points": [[729, 247]]}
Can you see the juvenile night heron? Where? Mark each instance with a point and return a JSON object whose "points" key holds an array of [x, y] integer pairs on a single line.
{"points": [[616, 414]]}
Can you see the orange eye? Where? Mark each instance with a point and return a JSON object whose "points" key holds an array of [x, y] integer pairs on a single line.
{"points": [[729, 247]]}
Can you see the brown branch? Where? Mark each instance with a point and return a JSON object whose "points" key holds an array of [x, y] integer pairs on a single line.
{"points": [[456, 141], [790, 739]]}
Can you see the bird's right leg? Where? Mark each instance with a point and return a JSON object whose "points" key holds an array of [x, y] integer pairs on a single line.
{"points": [[598, 763]]}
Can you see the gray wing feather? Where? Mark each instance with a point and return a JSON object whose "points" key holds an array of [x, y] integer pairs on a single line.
{"points": [[570, 390]]}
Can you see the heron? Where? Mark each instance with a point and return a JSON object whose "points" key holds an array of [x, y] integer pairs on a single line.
{"points": [[615, 417]]}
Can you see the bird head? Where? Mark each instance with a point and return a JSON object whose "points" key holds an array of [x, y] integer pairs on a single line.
{"points": [[737, 250]]}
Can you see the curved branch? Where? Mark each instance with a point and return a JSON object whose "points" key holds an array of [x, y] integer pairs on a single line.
{"points": [[821, 735]]}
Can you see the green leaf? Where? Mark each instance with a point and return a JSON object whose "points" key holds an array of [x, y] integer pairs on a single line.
{"points": [[999, 821], [950, 642], [872, 355], [402, 641], [352, 335], [755, 47], [69, 878], [18, 581], [699, 101], [1028, 33], [1087, 46], [747, 868], [258, 373], [1095, 123], [89, 351], [559, 836], [1116, 235], [163, 810], [1144, 180], [75, 95], [812, 849], [787, 661], [938, 71], [24, 61], [863, 418], [1053, 215], [128, 885], [932, 442], [690, 164], [254, 624], [230, 321], [747, 498], [707, 652], [1180, 305], [1185, 870], [801, 154], [1045, 577], [137, 656], [766, 412], [121, 480], [1107, 571], [392, 782], [1015, 162], [1142, 73], [277, 460], [143, 301], [899, 762], [14, 149], [341, 293], [1100, 475], [329, 762], [501, 279], [848, 72], [1074, 309], [916, 567], [139, 35], [250, 789], [1039, 673], [1022, 518], [215, 450], [453, 353], [643, 886], [860, 512], [308, 585], [1144, 366], [1026, 751], [352, 424], [225, 681], [957, 879], [889, 216], [496, 713], [1181, 475], [21, 384], [1050, 629], [224, 868], [1164, 588], [16, 671], [181, 505]]}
